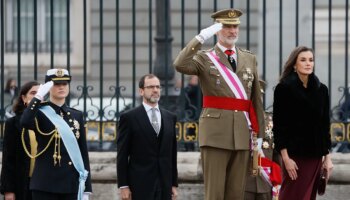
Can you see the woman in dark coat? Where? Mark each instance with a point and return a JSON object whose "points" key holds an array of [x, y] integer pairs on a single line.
{"points": [[301, 126], [16, 165]]}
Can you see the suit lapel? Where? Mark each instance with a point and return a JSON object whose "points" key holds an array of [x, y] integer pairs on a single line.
{"points": [[146, 125], [164, 127], [240, 60]]}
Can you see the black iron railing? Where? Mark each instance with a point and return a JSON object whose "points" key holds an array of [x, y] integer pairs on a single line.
{"points": [[122, 40]]}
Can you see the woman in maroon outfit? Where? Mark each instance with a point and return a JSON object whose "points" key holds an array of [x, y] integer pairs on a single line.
{"points": [[301, 126]]}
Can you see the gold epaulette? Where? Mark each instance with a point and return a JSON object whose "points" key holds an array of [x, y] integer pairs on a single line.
{"points": [[245, 50], [208, 50]]}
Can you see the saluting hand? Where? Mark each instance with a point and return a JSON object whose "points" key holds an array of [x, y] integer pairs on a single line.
{"points": [[43, 90], [209, 32]]}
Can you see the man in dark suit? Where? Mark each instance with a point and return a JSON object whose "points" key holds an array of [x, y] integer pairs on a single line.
{"points": [[59, 172], [146, 145]]}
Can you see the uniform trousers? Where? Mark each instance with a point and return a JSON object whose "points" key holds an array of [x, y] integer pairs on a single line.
{"points": [[257, 196], [41, 195], [224, 173]]}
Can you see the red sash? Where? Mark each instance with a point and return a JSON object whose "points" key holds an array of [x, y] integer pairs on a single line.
{"points": [[228, 103]]}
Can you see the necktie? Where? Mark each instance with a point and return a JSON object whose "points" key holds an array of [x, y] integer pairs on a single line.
{"points": [[154, 120], [230, 58]]}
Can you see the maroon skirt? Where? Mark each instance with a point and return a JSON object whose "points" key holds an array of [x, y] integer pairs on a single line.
{"points": [[305, 186]]}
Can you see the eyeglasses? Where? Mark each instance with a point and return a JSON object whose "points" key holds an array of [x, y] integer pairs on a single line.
{"points": [[153, 87]]}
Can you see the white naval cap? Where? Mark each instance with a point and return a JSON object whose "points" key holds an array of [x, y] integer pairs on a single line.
{"points": [[57, 75]]}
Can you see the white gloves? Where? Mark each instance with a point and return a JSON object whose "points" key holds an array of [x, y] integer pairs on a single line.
{"points": [[43, 90], [86, 196], [209, 32]]}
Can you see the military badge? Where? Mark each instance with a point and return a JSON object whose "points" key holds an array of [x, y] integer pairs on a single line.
{"points": [[265, 145], [250, 84], [77, 128], [231, 14], [218, 82], [59, 73], [248, 77], [269, 133], [245, 77]]}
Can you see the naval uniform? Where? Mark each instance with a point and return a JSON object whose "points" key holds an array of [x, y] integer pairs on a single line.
{"points": [[54, 172]]}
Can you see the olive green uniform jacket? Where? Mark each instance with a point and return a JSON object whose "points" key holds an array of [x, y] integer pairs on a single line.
{"points": [[225, 129]]}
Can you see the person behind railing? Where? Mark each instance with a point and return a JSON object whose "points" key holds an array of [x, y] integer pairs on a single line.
{"points": [[232, 113], [62, 169], [193, 101], [10, 94], [17, 167], [301, 124]]}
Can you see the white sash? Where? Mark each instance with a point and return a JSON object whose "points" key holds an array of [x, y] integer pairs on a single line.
{"points": [[231, 79]]}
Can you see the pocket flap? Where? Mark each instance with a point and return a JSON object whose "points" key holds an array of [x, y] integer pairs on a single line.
{"points": [[211, 114]]}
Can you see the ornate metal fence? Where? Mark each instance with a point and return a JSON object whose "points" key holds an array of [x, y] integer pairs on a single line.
{"points": [[108, 44]]}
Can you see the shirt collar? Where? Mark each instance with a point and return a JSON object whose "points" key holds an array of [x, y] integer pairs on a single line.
{"points": [[148, 107], [57, 108], [223, 49]]}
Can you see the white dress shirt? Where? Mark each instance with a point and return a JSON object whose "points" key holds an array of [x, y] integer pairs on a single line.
{"points": [[223, 49], [149, 113]]}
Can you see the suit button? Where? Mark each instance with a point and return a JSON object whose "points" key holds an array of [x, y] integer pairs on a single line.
{"points": [[208, 115], [69, 163]]}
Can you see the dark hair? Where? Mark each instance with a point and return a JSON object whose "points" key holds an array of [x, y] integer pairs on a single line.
{"points": [[292, 59], [142, 80], [19, 105], [8, 84]]}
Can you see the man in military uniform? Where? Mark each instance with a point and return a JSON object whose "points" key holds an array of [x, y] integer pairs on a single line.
{"points": [[257, 188], [62, 163], [232, 108]]}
